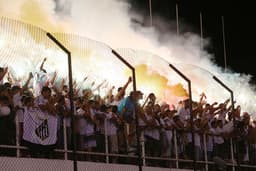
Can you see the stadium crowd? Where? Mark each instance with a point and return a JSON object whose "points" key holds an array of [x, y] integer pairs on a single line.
{"points": [[42, 110]]}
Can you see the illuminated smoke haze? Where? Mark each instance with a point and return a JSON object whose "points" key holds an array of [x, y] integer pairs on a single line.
{"points": [[110, 22]]}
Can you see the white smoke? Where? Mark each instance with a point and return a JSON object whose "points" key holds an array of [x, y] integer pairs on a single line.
{"points": [[110, 22]]}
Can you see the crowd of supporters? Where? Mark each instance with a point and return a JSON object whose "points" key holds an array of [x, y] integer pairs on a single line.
{"points": [[38, 112]]}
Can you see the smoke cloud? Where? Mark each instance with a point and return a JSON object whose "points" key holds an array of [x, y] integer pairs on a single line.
{"points": [[111, 22]]}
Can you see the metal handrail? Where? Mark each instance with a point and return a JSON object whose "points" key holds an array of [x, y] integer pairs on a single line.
{"points": [[134, 156]]}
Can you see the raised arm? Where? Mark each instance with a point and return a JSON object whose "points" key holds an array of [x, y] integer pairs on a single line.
{"points": [[202, 98], [3, 72], [122, 90], [10, 78], [42, 65], [62, 84], [25, 86], [52, 81], [109, 94]]}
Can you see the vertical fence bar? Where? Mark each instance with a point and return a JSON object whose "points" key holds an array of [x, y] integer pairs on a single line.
{"points": [[177, 19], [205, 152], [65, 140], [232, 153], [143, 148], [17, 137], [150, 13], [224, 42], [127, 129], [106, 140], [176, 149]]}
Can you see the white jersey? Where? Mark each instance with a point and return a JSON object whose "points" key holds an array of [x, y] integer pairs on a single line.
{"points": [[81, 121], [86, 126], [17, 100], [184, 114], [210, 140], [168, 122], [39, 127], [17, 103], [110, 125], [152, 132], [218, 139]]}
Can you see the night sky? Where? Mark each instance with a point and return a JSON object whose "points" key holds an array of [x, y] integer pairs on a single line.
{"points": [[238, 22]]}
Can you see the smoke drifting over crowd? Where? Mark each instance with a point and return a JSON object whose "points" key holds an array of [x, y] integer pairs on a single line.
{"points": [[110, 22]]}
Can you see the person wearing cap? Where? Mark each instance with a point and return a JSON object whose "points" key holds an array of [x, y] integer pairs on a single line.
{"points": [[150, 100], [184, 136], [126, 112], [40, 124], [126, 108]]}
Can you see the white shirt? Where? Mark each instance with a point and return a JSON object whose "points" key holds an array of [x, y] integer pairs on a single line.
{"points": [[218, 139], [110, 125], [183, 114], [81, 121], [89, 128], [152, 132], [40, 100], [40, 79], [210, 140], [168, 122]]}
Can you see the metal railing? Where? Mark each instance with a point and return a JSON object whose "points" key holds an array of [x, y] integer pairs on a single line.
{"points": [[175, 160]]}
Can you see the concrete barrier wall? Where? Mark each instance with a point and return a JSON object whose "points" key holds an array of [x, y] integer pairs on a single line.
{"points": [[27, 164]]}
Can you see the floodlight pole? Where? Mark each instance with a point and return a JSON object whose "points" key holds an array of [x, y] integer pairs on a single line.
{"points": [[71, 95], [177, 17], [190, 111], [232, 110], [136, 115], [224, 42], [150, 13]]}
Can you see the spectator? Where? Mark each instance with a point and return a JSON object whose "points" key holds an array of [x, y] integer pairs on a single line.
{"points": [[152, 135], [127, 106], [40, 127], [113, 123], [167, 135], [218, 147], [7, 124]]}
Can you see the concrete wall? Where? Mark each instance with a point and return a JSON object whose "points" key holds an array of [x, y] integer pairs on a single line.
{"points": [[27, 164]]}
